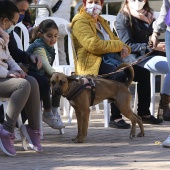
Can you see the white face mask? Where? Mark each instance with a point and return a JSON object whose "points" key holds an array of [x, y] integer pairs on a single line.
{"points": [[93, 9], [137, 5], [11, 28]]}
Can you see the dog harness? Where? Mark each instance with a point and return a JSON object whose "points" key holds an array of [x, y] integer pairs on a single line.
{"points": [[78, 85]]}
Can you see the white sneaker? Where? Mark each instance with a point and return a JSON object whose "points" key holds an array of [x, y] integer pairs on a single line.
{"points": [[53, 121], [17, 135], [166, 143]]}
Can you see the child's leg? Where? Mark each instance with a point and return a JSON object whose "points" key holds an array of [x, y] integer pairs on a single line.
{"points": [[48, 116], [55, 105]]}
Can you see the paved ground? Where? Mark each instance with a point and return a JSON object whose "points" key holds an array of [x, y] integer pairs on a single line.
{"points": [[104, 149]]}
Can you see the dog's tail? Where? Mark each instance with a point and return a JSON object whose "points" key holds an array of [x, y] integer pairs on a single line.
{"points": [[129, 72]]}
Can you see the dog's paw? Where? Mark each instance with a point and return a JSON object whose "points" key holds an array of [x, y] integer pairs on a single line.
{"points": [[140, 134], [78, 140], [74, 139], [131, 136]]}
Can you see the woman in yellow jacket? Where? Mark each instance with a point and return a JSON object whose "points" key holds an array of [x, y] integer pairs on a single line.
{"points": [[99, 51]]}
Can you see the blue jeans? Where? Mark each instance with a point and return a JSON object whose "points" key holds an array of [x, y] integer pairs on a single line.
{"points": [[167, 45]]}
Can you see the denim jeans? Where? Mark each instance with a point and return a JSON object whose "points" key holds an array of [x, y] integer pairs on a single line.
{"points": [[167, 45]]}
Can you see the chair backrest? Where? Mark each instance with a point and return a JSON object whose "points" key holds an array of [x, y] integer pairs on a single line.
{"points": [[59, 21], [18, 41], [71, 48], [156, 14], [24, 35], [110, 19]]}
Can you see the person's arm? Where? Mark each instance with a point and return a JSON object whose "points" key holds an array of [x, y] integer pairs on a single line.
{"points": [[125, 34], [89, 39], [17, 54], [159, 25], [45, 63], [43, 12]]}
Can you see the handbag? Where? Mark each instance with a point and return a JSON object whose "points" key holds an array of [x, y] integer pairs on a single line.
{"points": [[167, 18]]}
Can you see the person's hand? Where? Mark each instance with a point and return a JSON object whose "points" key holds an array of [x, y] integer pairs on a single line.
{"points": [[125, 52], [16, 74], [22, 73], [153, 40], [160, 46], [36, 60]]}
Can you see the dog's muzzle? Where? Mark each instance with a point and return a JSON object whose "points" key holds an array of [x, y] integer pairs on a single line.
{"points": [[57, 91]]}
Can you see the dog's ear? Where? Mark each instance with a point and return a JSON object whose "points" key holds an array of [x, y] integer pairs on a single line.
{"points": [[71, 78]]}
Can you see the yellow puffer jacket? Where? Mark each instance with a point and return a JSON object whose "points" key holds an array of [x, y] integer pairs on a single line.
{"points": [[89, 46]]}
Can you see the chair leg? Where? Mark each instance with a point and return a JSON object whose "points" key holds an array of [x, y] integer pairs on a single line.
{"points": [[70, 115], [152, 105], [106, 113], [61, 131], [41, 123], [97, 108], [135, 99], [23, 138]]}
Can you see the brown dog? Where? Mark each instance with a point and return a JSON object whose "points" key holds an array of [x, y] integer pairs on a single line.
{"points": [[80, 99]]}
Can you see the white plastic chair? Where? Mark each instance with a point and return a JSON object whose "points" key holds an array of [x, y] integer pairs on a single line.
{"points": [[18, 41], [24, 35], [110, 18]]}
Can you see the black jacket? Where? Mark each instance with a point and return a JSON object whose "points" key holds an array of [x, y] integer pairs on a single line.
{"points": [[17, 54]]}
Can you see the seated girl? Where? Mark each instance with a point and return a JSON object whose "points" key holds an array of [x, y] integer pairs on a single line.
{"points": [[43, 39]]}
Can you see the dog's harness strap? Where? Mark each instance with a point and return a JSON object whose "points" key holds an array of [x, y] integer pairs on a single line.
{"points": [[77, 91], [93, 92], [88, 84]]}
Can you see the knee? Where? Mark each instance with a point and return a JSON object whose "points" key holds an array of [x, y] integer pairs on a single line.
{"points": [[25, 85], [33, 82]]}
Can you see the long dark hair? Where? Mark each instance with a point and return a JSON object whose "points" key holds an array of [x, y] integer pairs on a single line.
{"points": [[8, 9], [43, 28], [125, 4]]}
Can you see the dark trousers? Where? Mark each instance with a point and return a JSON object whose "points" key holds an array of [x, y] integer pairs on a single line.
{"points": [[142, 76], [44, 88]]}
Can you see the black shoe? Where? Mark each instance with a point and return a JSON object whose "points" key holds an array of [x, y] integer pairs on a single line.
{"points": [[121, 124], [151, 120]]}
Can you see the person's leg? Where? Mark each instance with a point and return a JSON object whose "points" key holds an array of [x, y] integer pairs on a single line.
{"points": [[44, 89], [55, 105], [116, 117], [142, 76], [32, 109], [18, 91], [52, 118], [159, 64]]}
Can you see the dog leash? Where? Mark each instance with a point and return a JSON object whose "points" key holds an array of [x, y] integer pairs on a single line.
{"points": [[123, 68]]}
